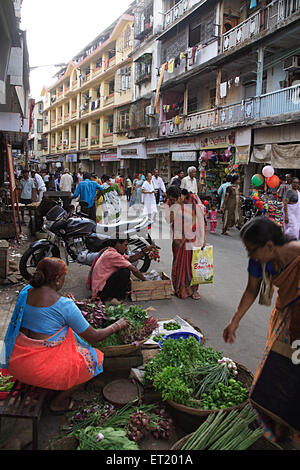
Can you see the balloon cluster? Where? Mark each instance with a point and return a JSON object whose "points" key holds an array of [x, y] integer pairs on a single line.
{"points": [[257, 201], [272, 180]]}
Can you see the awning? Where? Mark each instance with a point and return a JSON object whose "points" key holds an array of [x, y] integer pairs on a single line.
{"points": [[278, 155]]}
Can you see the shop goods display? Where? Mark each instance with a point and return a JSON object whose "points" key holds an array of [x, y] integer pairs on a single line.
{"points": [[174, 325], [94, 427], [257, 180], [190, 374], [225, 431], [176, 336], [100, 316]]}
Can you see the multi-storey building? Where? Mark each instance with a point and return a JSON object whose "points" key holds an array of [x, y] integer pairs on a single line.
{"points": [[35, 150], [14, 84], [229, 86], [86, 111], [215, 83]]}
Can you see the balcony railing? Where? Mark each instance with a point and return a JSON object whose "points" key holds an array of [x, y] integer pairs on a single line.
{"points": [[73, 144], [67, 117], [107, 138], [95, 141], [276, 103], [176, 12], [74, 114], [263, 20], [109, 99], [84, 142]]}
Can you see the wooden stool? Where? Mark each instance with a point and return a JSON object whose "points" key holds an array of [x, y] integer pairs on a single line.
{"points": [[25, 401]]}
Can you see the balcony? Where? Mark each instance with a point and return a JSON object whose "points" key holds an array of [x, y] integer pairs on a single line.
{"points": [[109, 99], [66, 117], [53, 122], [74, 84], [269, 18], [74, 114], [84, 142], [276, 103], [176, 12], [95, 140], [73, 144], [59, 120], [60, 94], [107, 138]]}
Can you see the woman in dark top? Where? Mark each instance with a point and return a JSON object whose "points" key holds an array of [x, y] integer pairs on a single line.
{"points": [[269, 247], [292, 210]]}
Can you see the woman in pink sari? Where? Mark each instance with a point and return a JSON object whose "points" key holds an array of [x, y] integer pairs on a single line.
{"points": [[185, 213]]}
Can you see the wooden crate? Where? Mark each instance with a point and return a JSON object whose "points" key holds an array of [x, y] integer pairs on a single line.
{"points": [[151, 290]]}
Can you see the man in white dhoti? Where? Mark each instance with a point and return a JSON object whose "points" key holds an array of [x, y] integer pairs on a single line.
{"points": [[149, 200]]}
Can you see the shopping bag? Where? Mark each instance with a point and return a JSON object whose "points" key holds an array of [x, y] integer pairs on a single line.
{"points": [[276, 390], [202, 266]]}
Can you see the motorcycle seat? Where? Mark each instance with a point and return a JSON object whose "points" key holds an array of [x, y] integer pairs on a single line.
{"points": [[122, 227]]}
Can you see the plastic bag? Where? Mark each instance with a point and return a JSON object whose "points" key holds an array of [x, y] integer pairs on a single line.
{"points": [[202, 266]]}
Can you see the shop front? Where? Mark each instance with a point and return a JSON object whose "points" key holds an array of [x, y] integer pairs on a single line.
{"points": [[184, 153], [158, 152], [71, 160], [54, 163], [133, 155]]}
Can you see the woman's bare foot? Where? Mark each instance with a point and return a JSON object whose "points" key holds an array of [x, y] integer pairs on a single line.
{"points": [[196, 296]]}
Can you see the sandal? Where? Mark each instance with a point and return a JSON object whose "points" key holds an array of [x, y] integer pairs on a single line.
{"points": [[196, 296], [62, 412]]}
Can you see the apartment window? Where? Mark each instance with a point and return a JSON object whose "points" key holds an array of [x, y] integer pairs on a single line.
{"points": [[192, 104], [124, 119], [124, 78], [111, 87], [39, 126], [86, 131], [143, 68], [212, 97], [127, 38], [110, 125], [195, 35]]}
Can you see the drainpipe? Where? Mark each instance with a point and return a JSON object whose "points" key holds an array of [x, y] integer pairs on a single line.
{"points": [[259, 78]]}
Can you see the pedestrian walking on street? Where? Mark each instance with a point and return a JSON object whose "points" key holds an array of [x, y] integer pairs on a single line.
{"points": [[88, 191], [177, 179], [128, 185], [189, 182], [274, 260], [232, 211], [48, 340], [222, 190], [27, 191], [149, 200], [66, 181], [284, 186], [159, 186], [186, 217], [213, 218], [291, 210], [136, 198], [39, 184], [111, 207]]}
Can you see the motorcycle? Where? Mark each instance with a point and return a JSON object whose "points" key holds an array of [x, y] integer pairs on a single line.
{"points": [[248, 208], [81, 239]]}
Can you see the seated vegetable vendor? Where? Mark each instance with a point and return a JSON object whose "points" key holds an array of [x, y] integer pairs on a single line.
{"points": [[47, 343], [110, 278]]}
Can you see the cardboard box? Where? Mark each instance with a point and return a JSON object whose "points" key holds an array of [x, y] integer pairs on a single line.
{"points": [[151, 290]]}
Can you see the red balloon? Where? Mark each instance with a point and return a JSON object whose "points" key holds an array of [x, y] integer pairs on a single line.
{"points": [[273, 182], [205, 202], [255, 198]]}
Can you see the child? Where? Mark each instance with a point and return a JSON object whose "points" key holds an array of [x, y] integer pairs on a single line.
{"points": [[213, 218]]}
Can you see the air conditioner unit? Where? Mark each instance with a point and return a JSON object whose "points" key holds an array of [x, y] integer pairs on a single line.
{"points": [[149, 110], [291, 63]]}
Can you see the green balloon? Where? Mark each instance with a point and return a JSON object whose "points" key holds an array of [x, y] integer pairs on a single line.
{"points": [[257, 180]]}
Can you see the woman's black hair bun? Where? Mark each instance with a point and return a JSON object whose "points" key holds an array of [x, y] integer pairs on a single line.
{"points": [[38, 279]]}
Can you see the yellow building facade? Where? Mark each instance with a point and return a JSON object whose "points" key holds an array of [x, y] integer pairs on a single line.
{"points": [[87, 110]]}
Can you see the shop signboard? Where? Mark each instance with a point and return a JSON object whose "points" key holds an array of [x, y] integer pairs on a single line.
{"points": [[71, 158], [217, 140], [242, 155], [184, 156], [157, 148], [109, 157], [132, 151], [184, 145]]}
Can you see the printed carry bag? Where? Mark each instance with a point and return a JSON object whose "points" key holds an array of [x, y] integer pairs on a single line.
{"points": [[202, 266]]}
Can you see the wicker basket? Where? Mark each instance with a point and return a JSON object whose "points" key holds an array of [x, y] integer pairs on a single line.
{"points": [[122, 349], [261, 444], [245, 376]]}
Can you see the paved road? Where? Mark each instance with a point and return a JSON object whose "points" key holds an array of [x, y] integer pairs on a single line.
{"points": [[218, 301]]}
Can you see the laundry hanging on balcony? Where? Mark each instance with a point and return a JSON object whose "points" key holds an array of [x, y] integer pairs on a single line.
{"points": [[162, 72], [252, 4], [191, 55], [171, 65], [223, 89]]}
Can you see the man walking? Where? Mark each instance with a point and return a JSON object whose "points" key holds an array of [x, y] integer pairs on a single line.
{"points": [[159, 186], [189, 182], [89, 192], [178, 178], [66, 181], [222, 190], [27, 192], [39, 184]]}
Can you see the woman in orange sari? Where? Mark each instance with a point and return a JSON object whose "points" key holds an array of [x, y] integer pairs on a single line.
{"points": [[185, 213], [47, 343], [270, 250]]}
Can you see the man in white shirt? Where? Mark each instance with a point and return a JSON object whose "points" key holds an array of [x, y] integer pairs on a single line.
{"points": [[66, 181], [158, 185], [39, 184], [189, 182]]}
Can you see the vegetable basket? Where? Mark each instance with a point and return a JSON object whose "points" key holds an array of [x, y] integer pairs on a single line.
{"points": [[244, 375], [122, 349]]}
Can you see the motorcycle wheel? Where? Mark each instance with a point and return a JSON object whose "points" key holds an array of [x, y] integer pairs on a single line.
{"points": [[32, 256], [142, 264]]}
